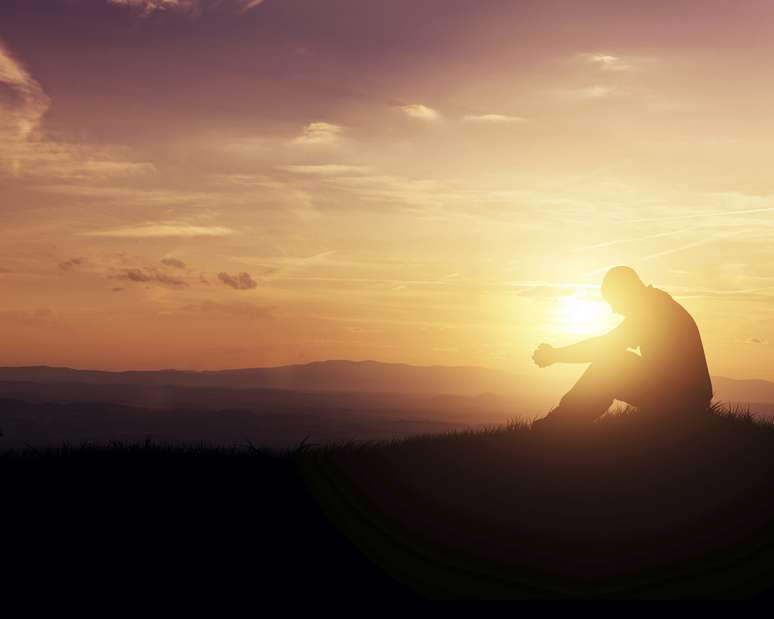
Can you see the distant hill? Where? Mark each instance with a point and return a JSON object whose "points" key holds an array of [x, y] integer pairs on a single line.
{"points": [[327, 401], [736, 390], [340, 376], [358, 376]]}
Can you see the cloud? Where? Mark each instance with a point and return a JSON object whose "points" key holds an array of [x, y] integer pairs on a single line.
{"points": [[240, 281], [25, 150], [134, 275], [328, 169], [70, 264], [161, 230], [190, 7], [174, 263], [151, 275], [319, 133], [248, 5], [151, 6], [24, 102], [591, 93], [420, 112], [22, 106], [494, 119], [703, 241], [237, 310], [169, 281], [636, 239], [607, 62]]}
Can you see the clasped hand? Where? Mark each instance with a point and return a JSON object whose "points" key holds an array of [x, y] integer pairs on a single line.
{"points": [[544, 355]]}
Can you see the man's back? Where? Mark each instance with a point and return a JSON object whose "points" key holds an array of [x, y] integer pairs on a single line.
{"points": [[670, 344]]}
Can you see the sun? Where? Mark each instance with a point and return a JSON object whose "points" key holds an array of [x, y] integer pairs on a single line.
{"points": [[580, 315]]}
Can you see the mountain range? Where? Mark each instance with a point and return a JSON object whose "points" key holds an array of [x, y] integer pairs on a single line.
{"points": [[279, 406]]}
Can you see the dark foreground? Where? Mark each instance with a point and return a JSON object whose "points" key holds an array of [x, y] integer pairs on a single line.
{"points": [[629, 510]]}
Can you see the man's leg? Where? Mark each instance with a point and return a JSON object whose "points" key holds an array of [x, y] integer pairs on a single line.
{"points": [[601, 383]]}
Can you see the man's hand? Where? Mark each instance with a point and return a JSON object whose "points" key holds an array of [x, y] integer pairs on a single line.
{"points": [[544, 356]]}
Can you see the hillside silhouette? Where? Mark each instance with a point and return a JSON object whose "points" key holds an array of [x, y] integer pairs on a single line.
{"points": [[332, 375], [633, 508], [630, 509], [330, 401], [269, 418], [351, 376]]}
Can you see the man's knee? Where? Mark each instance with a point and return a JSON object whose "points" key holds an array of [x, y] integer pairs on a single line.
{"points": [[617, 373], [613, 374], [618, 361]]}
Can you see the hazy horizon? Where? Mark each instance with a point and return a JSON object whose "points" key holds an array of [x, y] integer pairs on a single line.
{"points": [[558, 379]]}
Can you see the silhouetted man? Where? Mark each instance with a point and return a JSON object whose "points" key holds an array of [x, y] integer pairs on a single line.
{"points": [[668, 376]]}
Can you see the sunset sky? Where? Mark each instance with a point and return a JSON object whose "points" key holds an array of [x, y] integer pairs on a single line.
{"points": [[229, 183]]}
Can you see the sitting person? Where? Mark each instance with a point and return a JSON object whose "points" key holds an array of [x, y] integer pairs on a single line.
{"points": [[668, 376]]}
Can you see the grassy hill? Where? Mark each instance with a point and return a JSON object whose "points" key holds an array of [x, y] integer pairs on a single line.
{"points": [[636, 507]]}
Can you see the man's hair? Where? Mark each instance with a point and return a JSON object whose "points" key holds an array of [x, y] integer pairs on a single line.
{"points": [[620, 278]]}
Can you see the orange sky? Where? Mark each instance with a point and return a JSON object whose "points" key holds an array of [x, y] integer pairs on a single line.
{"points": [[227, 183]]}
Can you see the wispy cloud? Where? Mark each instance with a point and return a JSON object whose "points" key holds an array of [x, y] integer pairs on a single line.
{"points": [[174, 263], [420, 112], [494, 119], [590, 93], [705, 241], [22, 106], [636, 239], [160, 230], [247, 5], [712, 214], [240, 281], [190, 7], [328, 169], [607, 62], [151, 6], [319, 133], [72, 263], [151, 275], [233, 310], [25, 150]]}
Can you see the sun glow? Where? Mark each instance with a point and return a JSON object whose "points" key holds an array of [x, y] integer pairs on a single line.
{"points": [[580, 315]]}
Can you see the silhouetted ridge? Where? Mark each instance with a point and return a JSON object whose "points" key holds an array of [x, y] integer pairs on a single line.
{"points": [[336, 375]]}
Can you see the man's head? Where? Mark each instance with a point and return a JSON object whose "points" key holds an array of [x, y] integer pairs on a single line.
{"points": [[622, 288]]}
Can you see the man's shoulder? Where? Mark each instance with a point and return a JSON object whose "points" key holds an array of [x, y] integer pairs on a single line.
{"points": [[661, 300], [657, 295]]}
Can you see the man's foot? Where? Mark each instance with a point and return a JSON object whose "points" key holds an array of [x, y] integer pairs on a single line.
{"points": [[554, 422], [547, 423]]}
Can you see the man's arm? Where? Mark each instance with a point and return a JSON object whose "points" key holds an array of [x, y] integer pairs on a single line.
{"points": [[583, 352], [588, 350]]}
